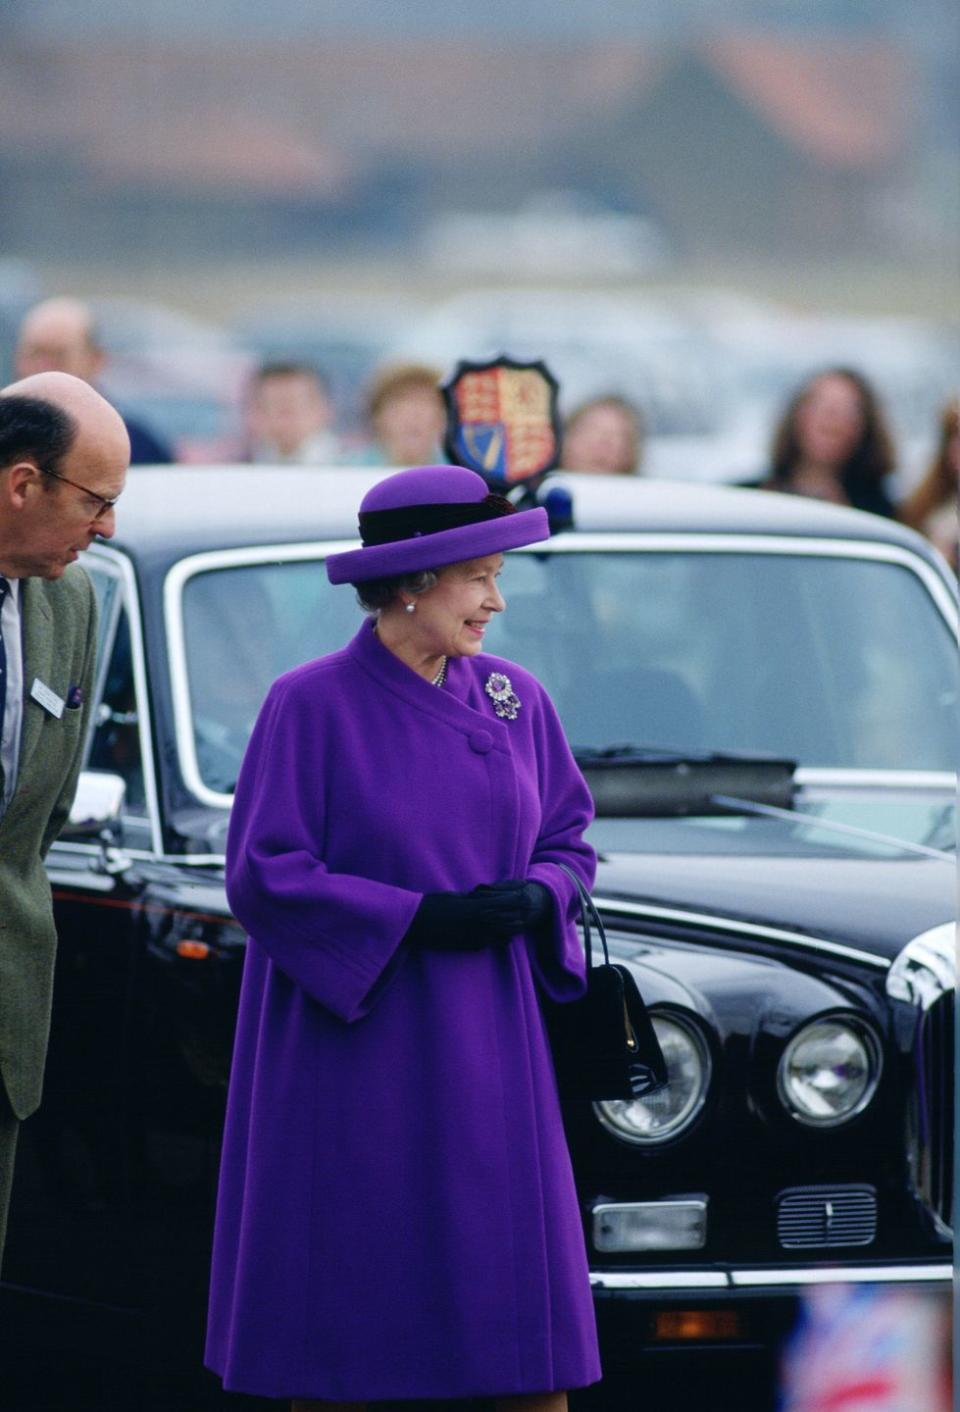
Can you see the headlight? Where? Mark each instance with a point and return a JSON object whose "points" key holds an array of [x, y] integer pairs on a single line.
{"points": [[665, 1114], [829, 1072]]}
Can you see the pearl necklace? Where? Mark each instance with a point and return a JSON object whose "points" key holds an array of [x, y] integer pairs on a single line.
{"points": [[441, 676]]}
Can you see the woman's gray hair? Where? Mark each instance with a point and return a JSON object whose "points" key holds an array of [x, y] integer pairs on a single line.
{"points": [[377, 594]]}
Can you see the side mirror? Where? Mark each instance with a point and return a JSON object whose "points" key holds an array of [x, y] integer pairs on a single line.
{"points": [[97, 805]]}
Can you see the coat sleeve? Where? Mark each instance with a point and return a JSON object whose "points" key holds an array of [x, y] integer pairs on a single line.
{"points": [[337, 935], [566, 810]]}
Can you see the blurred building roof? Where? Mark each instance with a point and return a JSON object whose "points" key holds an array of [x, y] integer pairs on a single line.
{"points": [[284, 118], [201, 127], [841, 102]]}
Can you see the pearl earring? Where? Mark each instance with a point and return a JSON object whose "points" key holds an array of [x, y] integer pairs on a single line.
{"points": [[409, 607]]}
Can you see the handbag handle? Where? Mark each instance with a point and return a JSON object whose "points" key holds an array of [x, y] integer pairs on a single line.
{"points": [[588, 911]]}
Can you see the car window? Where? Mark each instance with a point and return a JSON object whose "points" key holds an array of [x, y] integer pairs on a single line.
{"points": [[833, 662], [115, 745], [243, 627], [106, 586]]}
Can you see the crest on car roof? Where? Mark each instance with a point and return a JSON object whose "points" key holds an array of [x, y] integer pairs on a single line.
{"points": [[502, 419]]}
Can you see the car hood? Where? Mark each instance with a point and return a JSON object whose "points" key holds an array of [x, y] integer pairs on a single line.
{"points": [[871, 904]]}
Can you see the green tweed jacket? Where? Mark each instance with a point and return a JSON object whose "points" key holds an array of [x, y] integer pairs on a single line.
{"points": [[59, 647]]}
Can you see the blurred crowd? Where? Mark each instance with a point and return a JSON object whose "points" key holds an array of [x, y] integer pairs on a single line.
{"points": [[832, 441]]}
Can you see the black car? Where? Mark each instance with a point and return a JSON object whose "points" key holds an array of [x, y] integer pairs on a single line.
{"points": [[762, 692]]}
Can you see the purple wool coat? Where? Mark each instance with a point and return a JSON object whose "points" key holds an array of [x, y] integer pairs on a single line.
{"points": [[397, 1216]]}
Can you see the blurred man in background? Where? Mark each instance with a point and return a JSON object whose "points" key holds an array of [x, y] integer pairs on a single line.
{"points": [[290, 417], [59, 335]]}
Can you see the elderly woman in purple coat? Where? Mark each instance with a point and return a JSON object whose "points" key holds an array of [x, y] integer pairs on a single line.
{"points": [[397, 1217]]}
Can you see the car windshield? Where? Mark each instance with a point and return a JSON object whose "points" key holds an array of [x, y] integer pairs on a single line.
{"points": [[831, 661]]}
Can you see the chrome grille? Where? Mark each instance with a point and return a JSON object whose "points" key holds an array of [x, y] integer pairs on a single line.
{"points": [[826, 1216], [935, 1080]]}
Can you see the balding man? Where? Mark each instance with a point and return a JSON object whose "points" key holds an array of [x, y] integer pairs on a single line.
{"points": [[64, 453], [59, 335]]}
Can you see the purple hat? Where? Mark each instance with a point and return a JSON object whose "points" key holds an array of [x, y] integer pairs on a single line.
{"points": [[431, 516]]}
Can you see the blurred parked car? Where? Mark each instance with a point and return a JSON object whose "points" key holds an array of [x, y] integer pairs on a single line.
{"points": [[555, 233], [762, 693]]}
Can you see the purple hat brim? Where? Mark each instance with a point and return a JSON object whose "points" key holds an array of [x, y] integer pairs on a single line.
{"points": [[434, 551]]}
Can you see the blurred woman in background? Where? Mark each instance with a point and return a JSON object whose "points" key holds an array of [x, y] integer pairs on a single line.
{"points": [[932, 507], [604, 436], [833, 443]]}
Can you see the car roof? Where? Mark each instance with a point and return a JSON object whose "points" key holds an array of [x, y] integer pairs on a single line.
{"points": [[169, 511]]}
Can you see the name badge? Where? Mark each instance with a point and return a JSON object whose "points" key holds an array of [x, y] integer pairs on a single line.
{"points": [[48, 699]]}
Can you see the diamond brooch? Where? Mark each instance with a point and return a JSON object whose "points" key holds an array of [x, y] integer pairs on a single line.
{"points": [[506, 702]]}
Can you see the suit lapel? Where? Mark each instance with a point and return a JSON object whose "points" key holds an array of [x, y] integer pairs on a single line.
{"points": [[38, 654]]}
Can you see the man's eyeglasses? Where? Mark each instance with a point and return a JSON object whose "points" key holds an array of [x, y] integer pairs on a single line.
{"points": [[104, 506]]}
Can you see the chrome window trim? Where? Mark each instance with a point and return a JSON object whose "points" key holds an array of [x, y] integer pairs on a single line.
{"points": [[578, 543], [122, 566], [933, 781], [809, 547], [785, 1279], [743, 929]]}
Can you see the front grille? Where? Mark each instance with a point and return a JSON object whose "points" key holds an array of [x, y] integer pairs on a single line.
{"points": [[935, 1081], [826, 1216]]}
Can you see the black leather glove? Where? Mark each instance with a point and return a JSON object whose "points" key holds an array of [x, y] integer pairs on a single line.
{"points": [[469, 921], [531, 902]]}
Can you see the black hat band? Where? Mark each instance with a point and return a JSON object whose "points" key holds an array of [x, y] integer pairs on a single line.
{"points": [[412, 521]]}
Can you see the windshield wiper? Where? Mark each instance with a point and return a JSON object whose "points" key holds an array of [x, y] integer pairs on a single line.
{"points": [[668, 755], [630, 781], [650, 781], [813, 821]]}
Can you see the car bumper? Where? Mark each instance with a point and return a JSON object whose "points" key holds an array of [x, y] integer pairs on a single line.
{"points": [[724, 1315], [761, 1277]]}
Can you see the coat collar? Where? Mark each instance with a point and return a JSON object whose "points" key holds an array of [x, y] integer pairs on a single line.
{"points": [[451, 703]]}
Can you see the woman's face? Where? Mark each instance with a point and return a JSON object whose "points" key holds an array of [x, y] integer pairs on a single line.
{"points": [[451, 618], [830, 421], [604, 440]]}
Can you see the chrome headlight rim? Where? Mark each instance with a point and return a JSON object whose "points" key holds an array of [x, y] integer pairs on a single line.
{"points": [[694, 1032], [873, 1046]]}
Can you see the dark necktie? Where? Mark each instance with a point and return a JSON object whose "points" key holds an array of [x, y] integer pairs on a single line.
{"points": [[4, 590]]}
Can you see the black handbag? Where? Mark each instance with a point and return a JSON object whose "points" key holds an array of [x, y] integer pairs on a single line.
{"points": [[604, 1044]]}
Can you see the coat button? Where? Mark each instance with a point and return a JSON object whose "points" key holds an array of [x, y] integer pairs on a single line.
{"points": [[481, 742]]}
